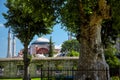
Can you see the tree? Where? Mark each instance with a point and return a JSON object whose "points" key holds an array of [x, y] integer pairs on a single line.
{"points": [[27, 18], [111, 56], [50, 48], [109, 34], [85, 21], [73, 53], [70, 45], [110, 28]]}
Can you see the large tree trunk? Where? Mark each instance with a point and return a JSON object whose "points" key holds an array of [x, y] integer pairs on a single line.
{"points": [[26, 63], [92, 64]]}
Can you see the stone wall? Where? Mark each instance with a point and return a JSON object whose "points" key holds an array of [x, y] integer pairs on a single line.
{"points": [[13, 67]]}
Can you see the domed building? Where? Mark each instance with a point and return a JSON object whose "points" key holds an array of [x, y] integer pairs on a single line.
{"points": [[40, 47]]}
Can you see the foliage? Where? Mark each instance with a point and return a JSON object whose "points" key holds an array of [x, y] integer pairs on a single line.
{"points": [[28, 18], [110, 55], [109, 32], [72, 20], [70, 45], [59, 67], [26, 21], [115, 78], [73, 53]]}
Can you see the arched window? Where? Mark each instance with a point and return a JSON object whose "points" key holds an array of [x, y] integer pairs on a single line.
{"points": [[42, 51]]}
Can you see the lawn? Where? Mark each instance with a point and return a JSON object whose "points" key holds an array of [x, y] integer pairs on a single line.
{"points": [[115, 78], [31, 79], [21, 79]]}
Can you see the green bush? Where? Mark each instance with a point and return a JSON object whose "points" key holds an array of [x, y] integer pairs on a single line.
{"points": [[110, 56], [73, 53], [115, 78]]}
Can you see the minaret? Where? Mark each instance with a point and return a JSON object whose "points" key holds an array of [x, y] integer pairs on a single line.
{"points": [[9, 45], [13, 47], [69, 35]]}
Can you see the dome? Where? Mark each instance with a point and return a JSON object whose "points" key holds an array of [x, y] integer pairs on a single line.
{"points": [[41, 40]]}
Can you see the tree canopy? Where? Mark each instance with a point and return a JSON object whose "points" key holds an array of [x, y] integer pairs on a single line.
{"points": [[29, 18], [70, 45], [111, 56], [110, 28], [72, 20]]}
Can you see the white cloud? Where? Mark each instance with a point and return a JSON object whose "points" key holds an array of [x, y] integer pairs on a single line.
{"points": [[1, 25]]}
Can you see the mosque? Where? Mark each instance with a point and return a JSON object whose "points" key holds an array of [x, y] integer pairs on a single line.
{"points": [[12, 65], [39, 48]]}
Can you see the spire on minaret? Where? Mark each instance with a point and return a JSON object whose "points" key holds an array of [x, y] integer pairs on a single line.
{"points": [[13, 47], [9, 44]]}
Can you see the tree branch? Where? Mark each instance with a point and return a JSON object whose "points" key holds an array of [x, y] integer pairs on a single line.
{"points": [[104, 9], [82, 12]]}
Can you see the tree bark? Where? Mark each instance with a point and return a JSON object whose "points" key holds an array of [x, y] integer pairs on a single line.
{"points": [[92, 64], [26, 63]]}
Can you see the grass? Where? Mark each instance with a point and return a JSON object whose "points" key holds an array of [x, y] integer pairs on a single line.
{"points": [[31, 79], [115, 78], [21, 79]]}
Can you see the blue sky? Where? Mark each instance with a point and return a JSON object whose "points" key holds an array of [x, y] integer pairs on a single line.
{"points": [[58, 35]]}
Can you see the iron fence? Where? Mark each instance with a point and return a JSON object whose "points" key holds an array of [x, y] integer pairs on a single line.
{"points": [[57, 74], [69, 73]]}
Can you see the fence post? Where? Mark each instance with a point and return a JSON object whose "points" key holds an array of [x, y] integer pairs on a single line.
{"points": [[48, 73], [119, 73], [72, 72], [41, 73], [107, 72]]}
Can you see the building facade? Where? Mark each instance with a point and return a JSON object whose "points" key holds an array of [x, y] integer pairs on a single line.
{"points": [[13, 67], [40, 47]]}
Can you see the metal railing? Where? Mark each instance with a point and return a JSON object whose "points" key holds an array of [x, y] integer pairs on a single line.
{"points": [[69, 73], [57, 74]]}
